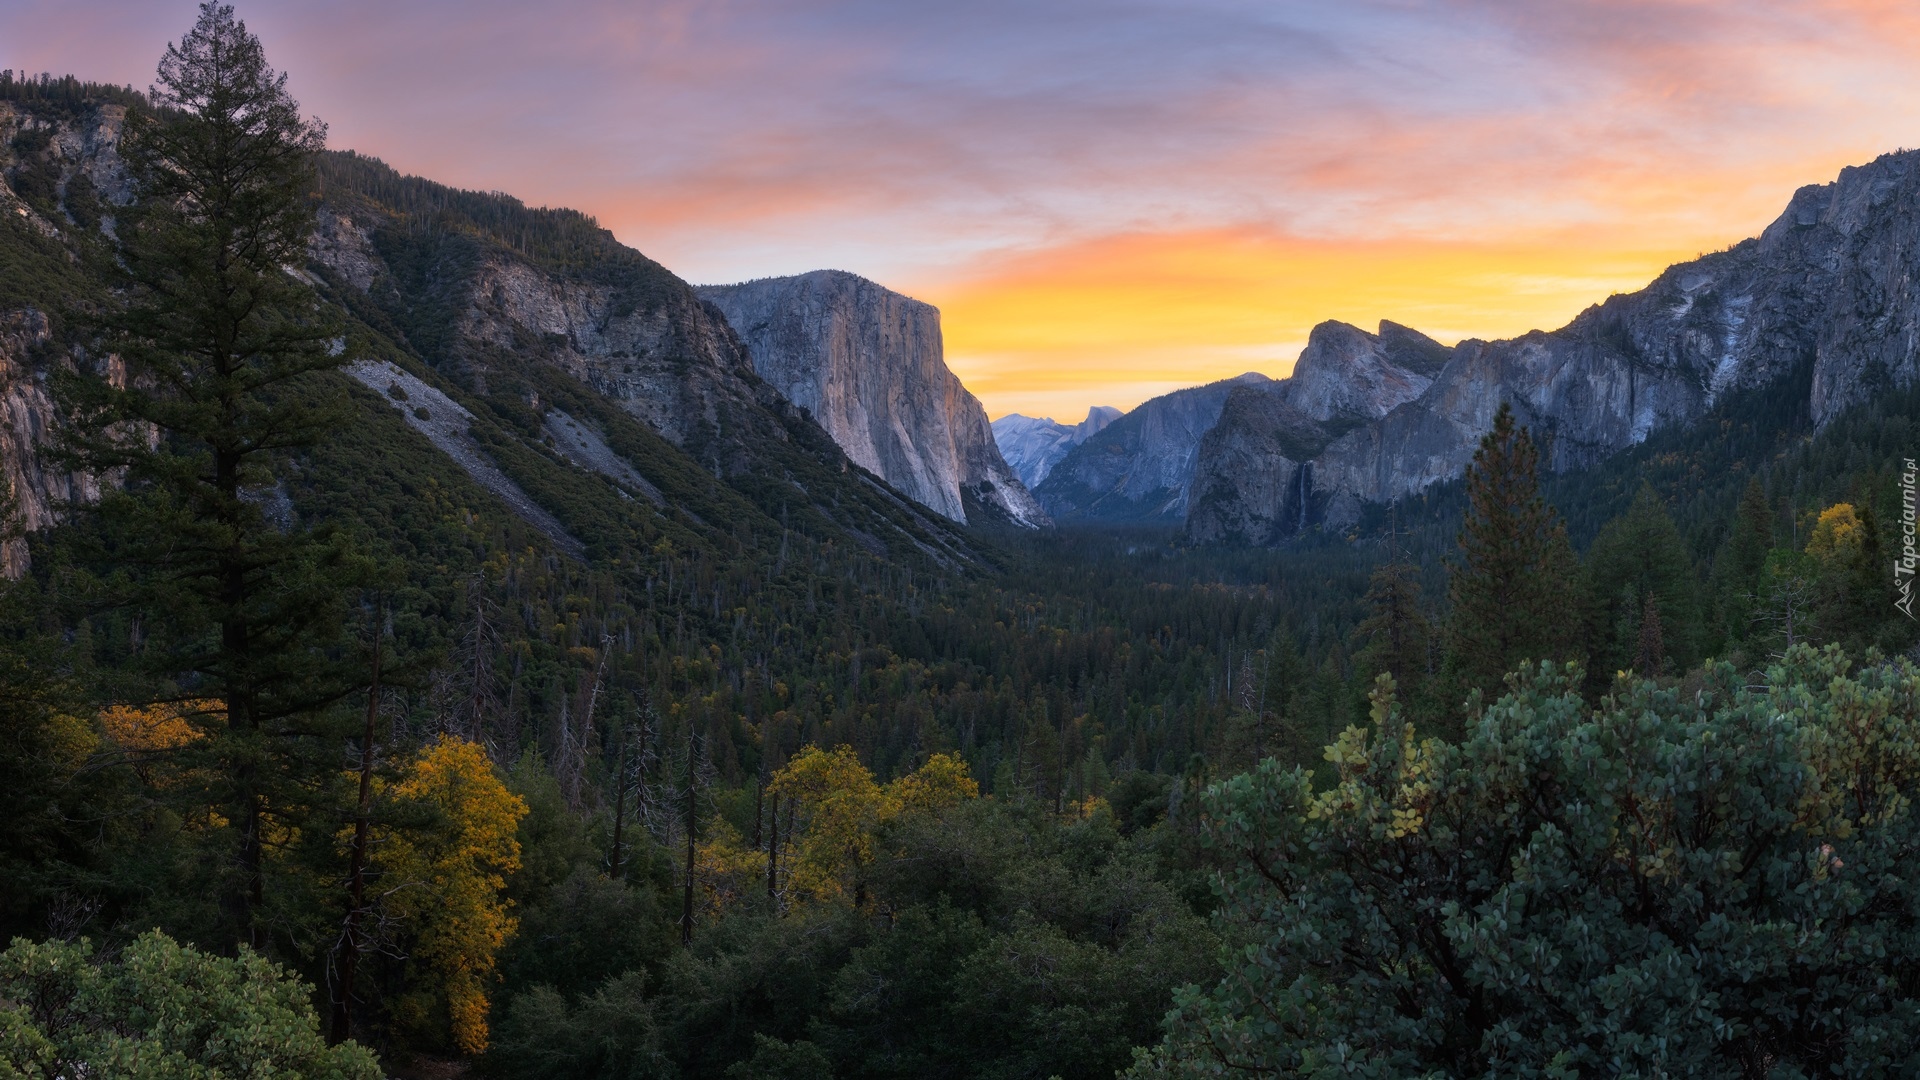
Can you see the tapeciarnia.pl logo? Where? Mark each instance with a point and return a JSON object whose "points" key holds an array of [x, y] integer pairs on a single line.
{"points": [[1903, 566]]}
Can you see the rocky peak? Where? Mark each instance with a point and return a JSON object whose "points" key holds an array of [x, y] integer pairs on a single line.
{"points": [[1347, 373], [1827, 294], [868, 364], [1032, 445], [1140, 467]]}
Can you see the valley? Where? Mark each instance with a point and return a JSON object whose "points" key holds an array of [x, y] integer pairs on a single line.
{"points": [[576, 671]]}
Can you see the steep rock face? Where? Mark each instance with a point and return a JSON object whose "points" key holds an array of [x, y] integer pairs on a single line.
{"points": [[1140, 467], [34, 491], [61, 178], [868, 364], [1249, 481], [668, 359], [504, 301], [1828, 290], [1032, 445]]}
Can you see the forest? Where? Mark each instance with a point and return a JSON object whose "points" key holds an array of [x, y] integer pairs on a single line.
{"points": [[317, 759]]}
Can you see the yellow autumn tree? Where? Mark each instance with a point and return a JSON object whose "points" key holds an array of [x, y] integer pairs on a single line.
{"points": [[841, 808], [727, 870], [943, 781], [447, 878], [1837, 534]]}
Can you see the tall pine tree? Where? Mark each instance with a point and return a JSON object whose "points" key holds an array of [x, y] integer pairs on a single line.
{"points": [[1515, 590], [1738, 566], [1395, 632], [216, 386], [1639, 558]]}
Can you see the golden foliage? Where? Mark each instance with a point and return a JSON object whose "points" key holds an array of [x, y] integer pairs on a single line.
{"points": [[448, 878], [842, 807], [1837, 534], [164, 726], [726, 868], [941, 782]]}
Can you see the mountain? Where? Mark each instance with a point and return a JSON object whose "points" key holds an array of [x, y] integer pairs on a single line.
{"points": [[1825, 297], [1345, 378], [1032, 445], [867, 364], [1139, 468], [567, 381]]}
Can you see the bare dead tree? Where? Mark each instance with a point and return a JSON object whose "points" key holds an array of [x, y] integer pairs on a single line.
{"points": [[570, 758], [638, 753], [350, 944], [480, 709], [1788, 608]]}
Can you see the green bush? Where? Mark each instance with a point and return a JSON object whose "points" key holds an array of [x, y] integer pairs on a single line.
{"points": [[1715, 881], [160, 1010]]}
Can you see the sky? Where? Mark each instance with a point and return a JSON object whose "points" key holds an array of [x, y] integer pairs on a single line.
{"points": [[1107, 199]]}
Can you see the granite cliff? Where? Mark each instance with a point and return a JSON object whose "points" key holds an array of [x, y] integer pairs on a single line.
{"points": [[867, 364], [506, 331], [1033, 444], [1829, 291], [1139, 468]]}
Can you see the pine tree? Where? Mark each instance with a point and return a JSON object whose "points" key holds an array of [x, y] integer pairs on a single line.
{"points": [[1639, 557], [1515, 587], [222, 347], [1738, 565], [1651, 660], [1395, 631]]}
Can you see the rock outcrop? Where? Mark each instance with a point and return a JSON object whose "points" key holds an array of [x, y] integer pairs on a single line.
{"points": [[1831, 291], [34, 491], [867, 363], [1140, 467], [1032, 445], [504, 303], [1243, 490]]}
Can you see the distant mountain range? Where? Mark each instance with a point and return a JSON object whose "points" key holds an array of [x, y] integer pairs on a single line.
{"points": [[1032, 445], [515, 313], [1827, 298], [1830, 292], [1139, 468]]}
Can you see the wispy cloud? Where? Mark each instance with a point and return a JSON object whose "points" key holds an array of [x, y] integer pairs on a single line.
{"points": [[1105, 195]]}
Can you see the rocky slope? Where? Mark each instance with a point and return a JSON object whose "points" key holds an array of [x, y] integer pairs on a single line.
{"points": [[868, 365], [1032, 445], [59, 175], [1140, 467], [1829, 289], [560, 348]]}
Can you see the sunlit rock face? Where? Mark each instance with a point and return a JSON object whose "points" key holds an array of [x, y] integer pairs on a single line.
{"points": [[1822, 305], [867, 363], [1140, 467], [1033, 444]]}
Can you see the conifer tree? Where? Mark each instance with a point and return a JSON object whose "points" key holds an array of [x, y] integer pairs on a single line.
{"points": [[214, 388], [1639, 559], [1738, 565], [1514, 589], [1395, 631]]}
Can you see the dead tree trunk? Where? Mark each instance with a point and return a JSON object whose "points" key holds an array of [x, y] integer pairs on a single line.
{"points": [[349, 946]]}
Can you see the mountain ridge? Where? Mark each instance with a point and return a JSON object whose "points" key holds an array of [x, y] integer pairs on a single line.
{"points": [[1032, 445], [1829, 284]]}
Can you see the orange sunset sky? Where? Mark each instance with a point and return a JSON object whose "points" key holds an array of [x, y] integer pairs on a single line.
{"points": [[1107, 200]]}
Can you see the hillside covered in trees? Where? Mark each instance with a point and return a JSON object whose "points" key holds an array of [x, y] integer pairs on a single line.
{"points": [[688, 749]]}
